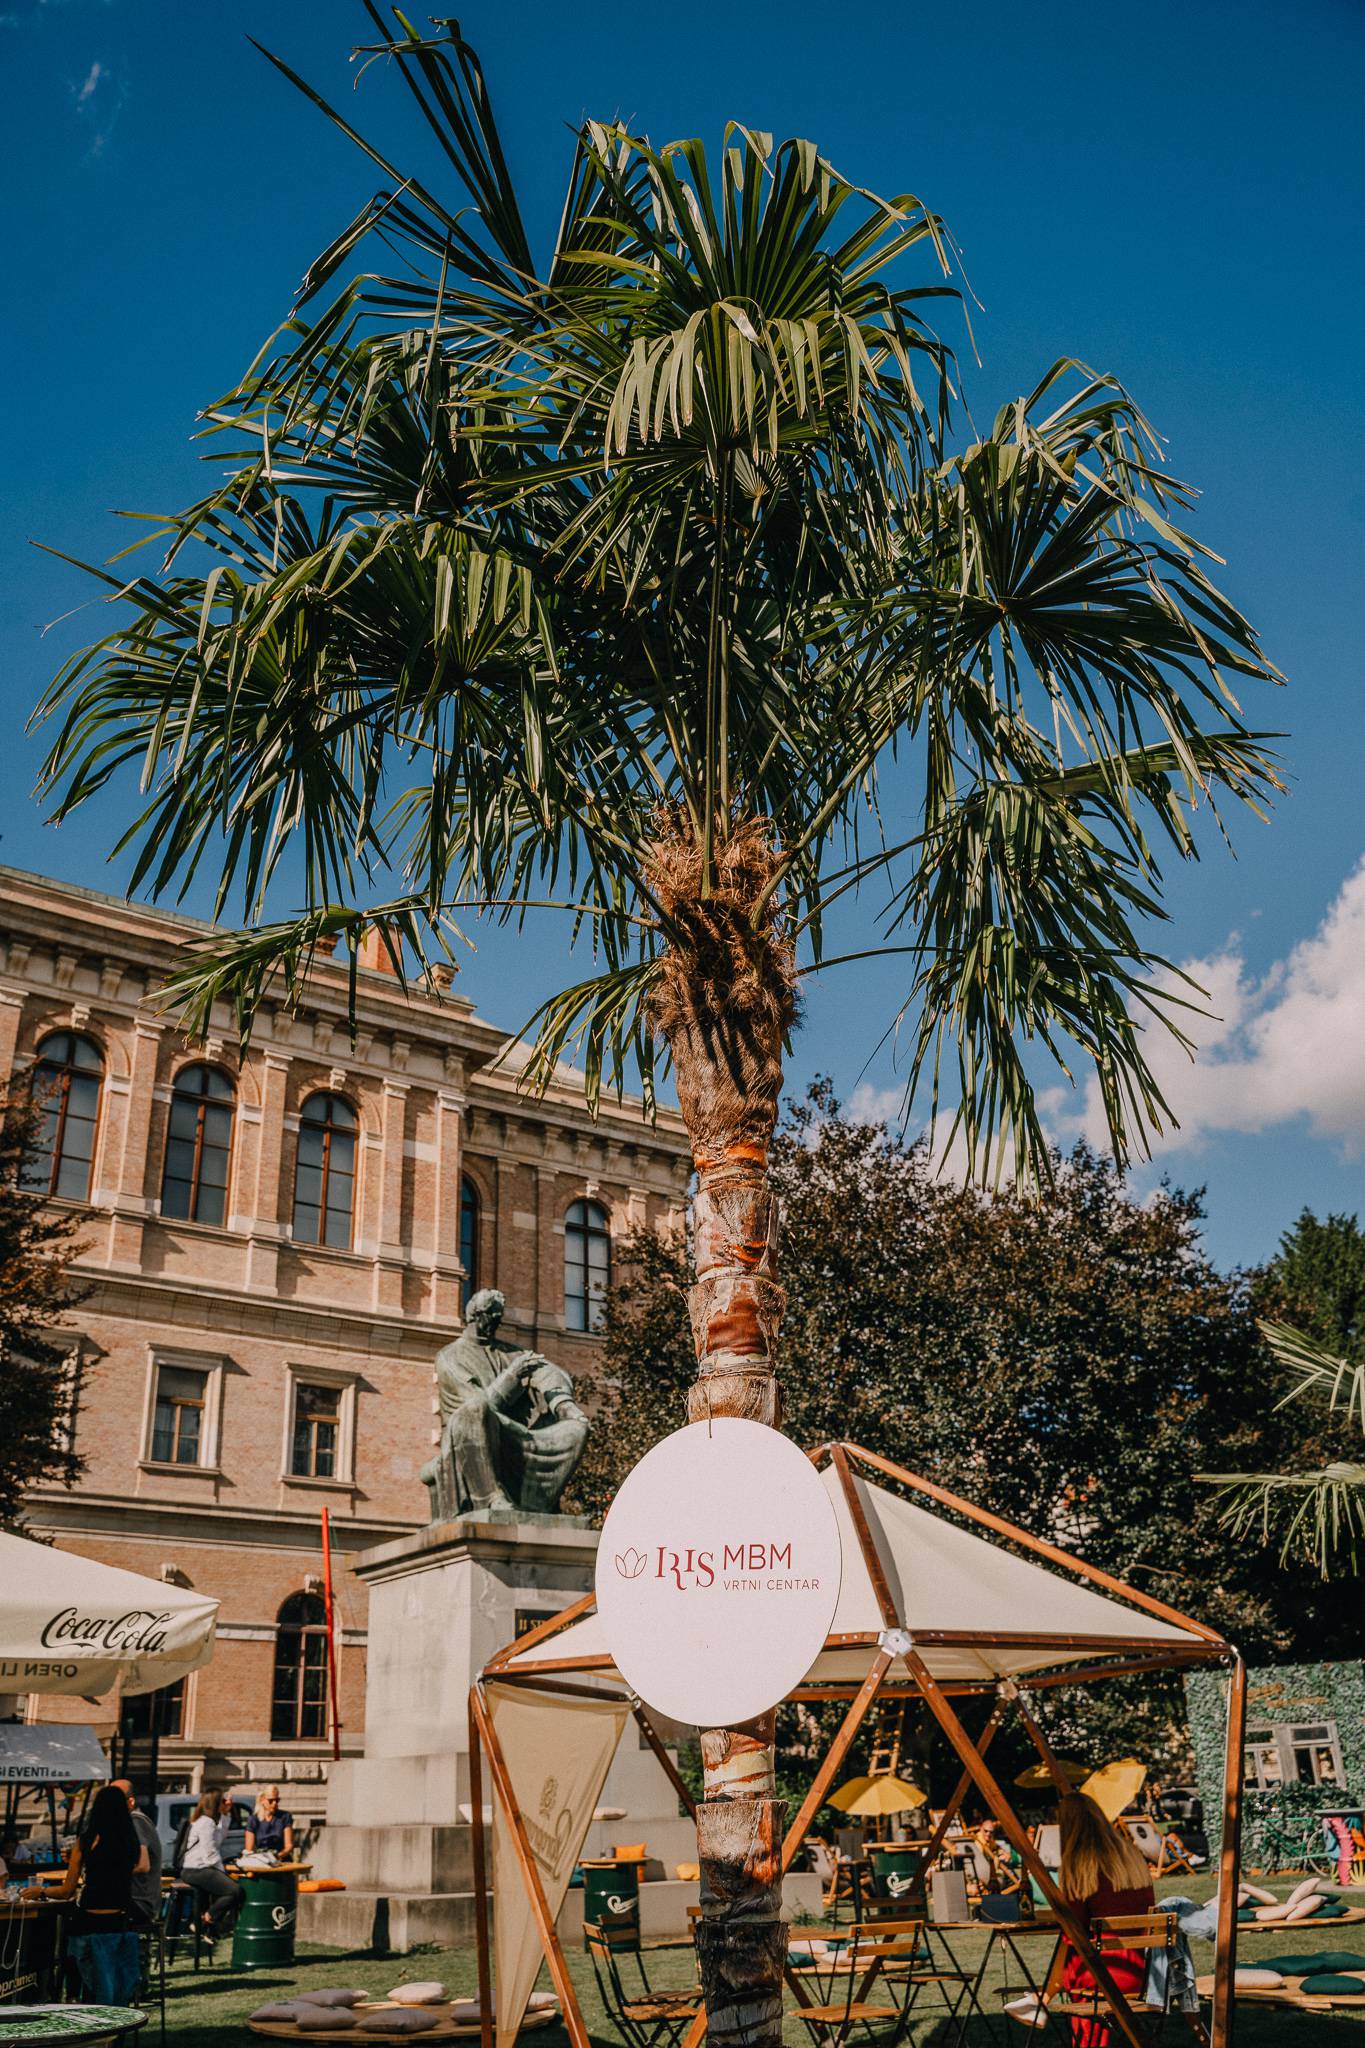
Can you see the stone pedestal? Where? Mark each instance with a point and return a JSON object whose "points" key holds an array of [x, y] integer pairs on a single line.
{"points": [[398, 1819]]}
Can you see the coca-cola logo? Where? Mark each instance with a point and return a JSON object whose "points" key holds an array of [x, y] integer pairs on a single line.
{"points": [[138, 1631]]}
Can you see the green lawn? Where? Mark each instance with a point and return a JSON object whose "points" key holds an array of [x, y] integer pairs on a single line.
{"points": [[209, 2010]]}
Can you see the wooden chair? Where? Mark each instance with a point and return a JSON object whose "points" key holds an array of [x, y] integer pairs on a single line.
{"points": [[870, 1981], [1147, 1933], [643, 2016]]}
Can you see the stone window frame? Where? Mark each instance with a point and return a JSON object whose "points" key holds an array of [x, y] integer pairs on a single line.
{"points": [[212, 1060], [293, 1124], [213, 1365], [78, 1025], [480, 1173], [297, 1374], [592, 1197]]}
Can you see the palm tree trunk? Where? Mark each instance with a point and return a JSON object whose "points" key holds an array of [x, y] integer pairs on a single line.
{"points": [[725, 1007]]}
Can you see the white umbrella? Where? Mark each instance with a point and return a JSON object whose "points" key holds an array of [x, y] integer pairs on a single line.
{"points": [[70, 1625]]}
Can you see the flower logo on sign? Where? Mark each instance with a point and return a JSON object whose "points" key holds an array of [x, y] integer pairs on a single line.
{"points": [[631, 1563]]}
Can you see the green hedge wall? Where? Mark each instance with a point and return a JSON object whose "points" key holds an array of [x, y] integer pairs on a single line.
{"points": [[1275, 1694]]}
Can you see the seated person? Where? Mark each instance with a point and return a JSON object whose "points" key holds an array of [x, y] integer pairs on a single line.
{"points": [[201, 1865], [1102, 1873], [270, 1827]]}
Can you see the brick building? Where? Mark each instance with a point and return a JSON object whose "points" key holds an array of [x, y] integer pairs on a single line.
{"points": [[277, 1248]]}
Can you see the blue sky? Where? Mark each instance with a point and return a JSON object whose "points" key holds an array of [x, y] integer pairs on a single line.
{"points": [[1171, 192]]}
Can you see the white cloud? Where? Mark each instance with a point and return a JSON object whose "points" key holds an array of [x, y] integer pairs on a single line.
{"points": [[871, 1105], [1288, 1045], [92, 79]]}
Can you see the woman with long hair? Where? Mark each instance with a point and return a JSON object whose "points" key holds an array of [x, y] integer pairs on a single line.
{"points": [[270, 1827], [99, 1936], [201, 1866], [1103, 1873]]}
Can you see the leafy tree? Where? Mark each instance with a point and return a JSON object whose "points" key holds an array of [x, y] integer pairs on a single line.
{"points": [[1070, 1362], [37, 1246], [1316, 1281], [614, 577]]}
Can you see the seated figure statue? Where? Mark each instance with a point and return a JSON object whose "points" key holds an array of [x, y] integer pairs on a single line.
{"points": [[511, 1431]]}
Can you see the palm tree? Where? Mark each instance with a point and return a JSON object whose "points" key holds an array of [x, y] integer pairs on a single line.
{"points": [[628, 580], [1316, 1515]]}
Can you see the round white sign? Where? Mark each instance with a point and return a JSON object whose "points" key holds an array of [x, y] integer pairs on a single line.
{"points": [[718, 1571]]}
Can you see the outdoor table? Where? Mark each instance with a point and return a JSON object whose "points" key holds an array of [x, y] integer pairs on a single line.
{"points": [[22, 2024], [1007, 1932], [263, 1938], [28, 1946]]}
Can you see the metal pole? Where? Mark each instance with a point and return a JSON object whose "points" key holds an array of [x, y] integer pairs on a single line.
{"points": [[331, 1633]]}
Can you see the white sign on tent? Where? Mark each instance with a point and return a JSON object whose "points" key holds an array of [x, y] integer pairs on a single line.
{"points": [[718, 1572]]}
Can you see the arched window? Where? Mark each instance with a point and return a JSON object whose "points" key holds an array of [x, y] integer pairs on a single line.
{"points": [[198, 1146], [324, 1181], [298, 1703], [66, 1087], [587, 1265], [469, 1240]]}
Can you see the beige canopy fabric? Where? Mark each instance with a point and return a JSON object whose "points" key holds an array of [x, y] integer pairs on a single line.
{"points": [[976, 1612], [556, 1752]]}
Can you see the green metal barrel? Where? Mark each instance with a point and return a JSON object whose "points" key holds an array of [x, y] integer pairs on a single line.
{"points": [[898, 1873], [611, 1896], [264, 1935]]}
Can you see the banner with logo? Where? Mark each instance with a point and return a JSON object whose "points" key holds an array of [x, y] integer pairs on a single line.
{"points": [[69, 1624], [718, 1572], [557, 1751]]}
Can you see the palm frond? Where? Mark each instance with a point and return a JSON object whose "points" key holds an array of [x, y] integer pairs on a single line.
{"points": [[1319, 1516], [1319, 1374]]}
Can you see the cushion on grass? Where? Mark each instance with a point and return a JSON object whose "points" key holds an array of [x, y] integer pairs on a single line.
{"points": [[1301, 1891], [540, 2001], [1258, 1893], [311, 2018], [1304, 1909], [466, 2011], [1257, 1978], [409, 2019], [334, 1995], [279, 2011], [1331, 1984], [418, 1994], [1337, 1959], [1332, 1909], [1267, 1915], [1246, 1913]]}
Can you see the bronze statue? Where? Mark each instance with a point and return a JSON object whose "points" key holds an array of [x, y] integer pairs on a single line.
{"points": [[511, 1431]]}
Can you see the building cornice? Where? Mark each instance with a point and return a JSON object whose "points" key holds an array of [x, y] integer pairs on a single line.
{"points": [[183, 1525], [73, 920]]}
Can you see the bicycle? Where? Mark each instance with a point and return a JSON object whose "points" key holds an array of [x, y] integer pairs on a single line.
{"points": [[1297, 1842]]}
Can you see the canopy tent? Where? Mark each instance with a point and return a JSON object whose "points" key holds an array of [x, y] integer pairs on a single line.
{"points": [[39, 1753], [38, 1757], [927, 1609], [71, 1625]]}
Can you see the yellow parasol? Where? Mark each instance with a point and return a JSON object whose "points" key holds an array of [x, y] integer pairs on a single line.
{"points": [[877, 1795], [1116, 1786], [1039, 1778]]}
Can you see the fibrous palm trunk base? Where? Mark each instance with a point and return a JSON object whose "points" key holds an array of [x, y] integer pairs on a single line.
{"points": [[725, 1005]]}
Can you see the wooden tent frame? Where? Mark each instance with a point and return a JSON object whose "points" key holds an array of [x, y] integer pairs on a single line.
{"points": [[1115, 1656]]}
